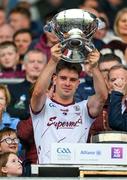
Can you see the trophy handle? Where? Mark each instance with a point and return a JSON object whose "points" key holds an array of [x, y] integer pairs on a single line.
{"points": [[48, 27], [101, 24], [90, 47]]}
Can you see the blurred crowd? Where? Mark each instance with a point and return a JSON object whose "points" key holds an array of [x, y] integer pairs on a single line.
{"points": [[25, 50]]}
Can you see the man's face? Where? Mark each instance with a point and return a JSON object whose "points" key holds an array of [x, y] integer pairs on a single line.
{"points": [[122, 24], [34, 65], [106, 66], [18, 21], [12, 147], [6, 33], [23, 42], [119, 75], [66, 83], [8, 57]]}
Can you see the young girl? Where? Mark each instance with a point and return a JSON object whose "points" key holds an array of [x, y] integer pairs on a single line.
{"points": [[10, 165]]}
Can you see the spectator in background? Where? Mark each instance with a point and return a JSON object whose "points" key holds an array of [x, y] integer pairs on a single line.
{"points": [[31, 5], [22, 39], [6, 33], [8, 140], [9, 61], [118, 44], [5, 119], [118, 98], [20, 18], [106, 62], [34, 62], [10, 165]]}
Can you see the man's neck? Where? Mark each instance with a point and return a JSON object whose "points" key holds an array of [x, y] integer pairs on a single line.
{"points": [[64, 101], [31, 79]]}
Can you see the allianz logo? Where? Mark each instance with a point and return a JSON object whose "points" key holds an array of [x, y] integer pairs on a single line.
{"points": [[63, 150], [87, 152]]}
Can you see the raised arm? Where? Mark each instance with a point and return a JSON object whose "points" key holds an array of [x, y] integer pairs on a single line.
{"points": [[39, 93], [97, 101]]}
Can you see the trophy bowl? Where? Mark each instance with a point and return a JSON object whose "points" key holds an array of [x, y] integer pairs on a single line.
{"points": [[75, 29]]}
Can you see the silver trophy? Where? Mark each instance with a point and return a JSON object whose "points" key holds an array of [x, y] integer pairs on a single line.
{"points": [[75, 29]]}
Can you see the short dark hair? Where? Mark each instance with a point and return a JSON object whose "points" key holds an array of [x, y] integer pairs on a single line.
{"points": [[20, 10], [22, 31], [109, 57], [67, 65]]}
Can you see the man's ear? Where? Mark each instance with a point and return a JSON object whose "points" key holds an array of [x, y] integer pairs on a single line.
{"points": [[54, 79], [4, 170]]}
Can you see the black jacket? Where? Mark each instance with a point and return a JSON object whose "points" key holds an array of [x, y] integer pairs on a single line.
{"points": [[117, 119], [84, 89], [20, 98]]}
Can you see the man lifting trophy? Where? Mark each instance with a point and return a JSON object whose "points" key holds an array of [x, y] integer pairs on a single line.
{"points": [[75, 29]]}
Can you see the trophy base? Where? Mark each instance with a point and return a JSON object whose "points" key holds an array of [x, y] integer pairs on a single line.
{"points": [[110, 137]]}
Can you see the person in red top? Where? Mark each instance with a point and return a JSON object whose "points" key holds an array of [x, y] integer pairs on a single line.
{"points": [[25, 133]]}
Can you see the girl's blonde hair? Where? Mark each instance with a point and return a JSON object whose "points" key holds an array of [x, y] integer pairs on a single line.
{"points": [[118, 17], [6, 92]]}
